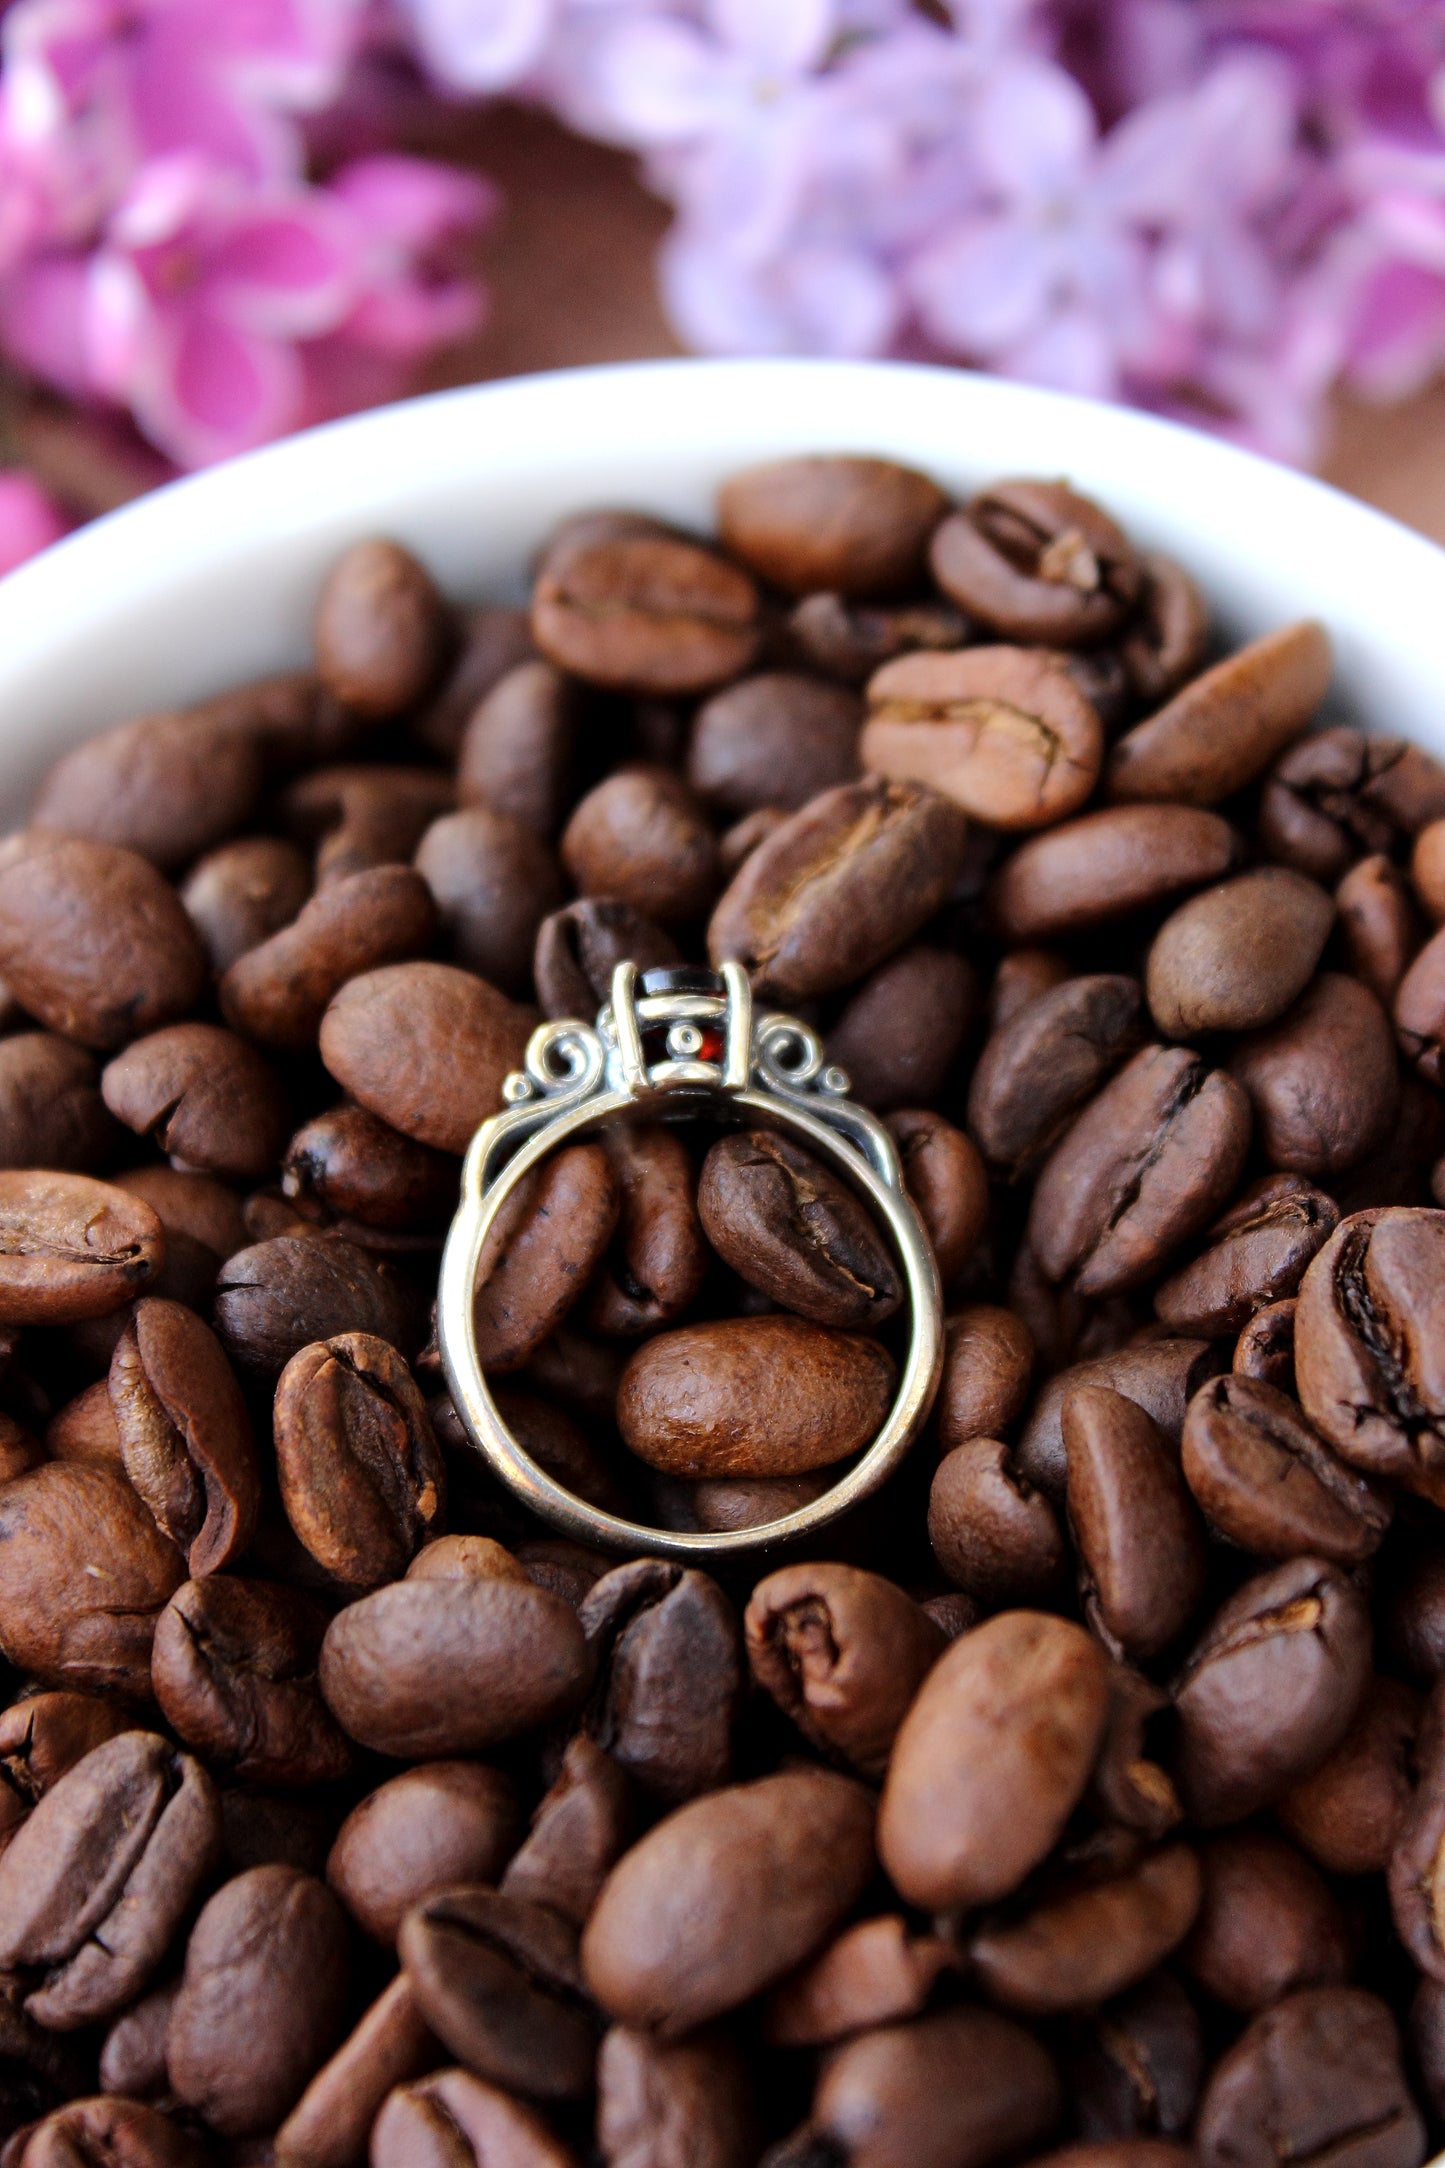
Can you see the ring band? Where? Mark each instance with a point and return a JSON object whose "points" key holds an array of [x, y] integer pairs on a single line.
{"points": [[672, 1044]]}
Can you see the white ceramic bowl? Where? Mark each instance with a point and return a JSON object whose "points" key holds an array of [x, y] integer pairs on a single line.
{"points": [[212, 579]]}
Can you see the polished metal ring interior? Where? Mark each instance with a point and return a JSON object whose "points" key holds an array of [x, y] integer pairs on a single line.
{"points": [[674, 1045]]}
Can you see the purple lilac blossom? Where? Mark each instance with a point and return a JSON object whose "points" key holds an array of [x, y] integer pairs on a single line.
{"points": [[1215, 208], [163, 247]]}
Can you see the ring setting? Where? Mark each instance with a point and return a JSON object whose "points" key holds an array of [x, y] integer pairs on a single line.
{"points": [[679, 1043]]}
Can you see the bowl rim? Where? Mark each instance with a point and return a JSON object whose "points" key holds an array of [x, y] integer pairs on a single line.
{"points": [[138, 609]]}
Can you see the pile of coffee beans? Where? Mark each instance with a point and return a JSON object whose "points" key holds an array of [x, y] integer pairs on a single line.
{"points": [[1082, 1798]]}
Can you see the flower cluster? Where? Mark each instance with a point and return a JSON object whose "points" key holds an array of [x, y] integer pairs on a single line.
{"points": [[1215, 208], [162, 245], [1218, 209]]}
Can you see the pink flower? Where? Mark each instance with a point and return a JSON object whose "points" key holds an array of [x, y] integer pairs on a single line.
{"points": [[30, 519], [204, 301]]}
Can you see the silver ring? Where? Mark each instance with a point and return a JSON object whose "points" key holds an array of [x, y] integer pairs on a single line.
{"points": [[671, 1044]]}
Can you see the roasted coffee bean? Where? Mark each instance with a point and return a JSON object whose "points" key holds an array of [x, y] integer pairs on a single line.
{"points": [[1418, 1857], [1348, 1812], [1427, 870], [793, 1229], [1020, 977], [127, 2132], [1235, 957], [1268, 1924], [1160, 1376], [1338, 795], [1269, 1689], [465, 1558], [1118, 2153], [1224, 728], [51, 1111], [580, 946], [669, 1682], [1268, 1481], [1002, 731], [1377, 924], [205, 1096], [773, 740], [902, 1031], [1072, 1948], [992, 1533], [453, 2120], [540, 1253], [840, 886], [364, 817], [95, 1885], [858, 526], [850, 640], [133, 2060], [580, 1830], [1255, 1255], [712, 1507], [644, 612], [892, 2095], [988, 1358], [234, 1671], [753, 1396], [429, 1829], [1138, 1536], [1323, 1082], [278, 1296], [1105, 866], [354, 1164], [991, 1759], [641, 836], [554, 1441], [658, 1258], [1135, 2073], [1419, 1011], [680, 2104], [1169, 636], [166, 786], [517, 749], [1413, 1619], [381, 629], [1365, 1346], [1265, 1347], [45, 1735], [493, 882], [1037, 561], [742, 839], [72, 1248], [842, 1653], [426, 1047], [277, 992], [871, 1974], [496, 1979], [1131, 1794], [94, 943], [1146, 1165], [262, 2001], [84, 1530], [186, 1441], [190, 1207], [427, 1668], [1315, 2079], [1041, 1067], [947, 1183], [329, 2124], [726, 1895], [241, 894], [361, 1473]]}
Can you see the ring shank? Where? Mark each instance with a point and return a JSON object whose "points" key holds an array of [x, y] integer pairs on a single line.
{"points": [[573, 1516]]}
